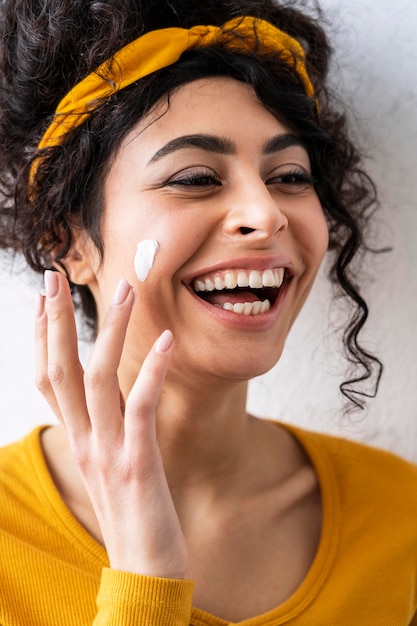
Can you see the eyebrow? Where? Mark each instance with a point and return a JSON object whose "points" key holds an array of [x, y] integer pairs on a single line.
{"points": [[209, 143], [282, 142], [222, 145]]}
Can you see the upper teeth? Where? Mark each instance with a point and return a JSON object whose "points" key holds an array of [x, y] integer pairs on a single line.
{"points": [[230, 279]]}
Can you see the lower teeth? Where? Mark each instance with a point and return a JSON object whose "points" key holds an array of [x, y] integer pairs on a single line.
{"points": [[248, 308]]}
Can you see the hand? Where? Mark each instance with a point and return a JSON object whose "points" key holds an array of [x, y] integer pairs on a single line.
{"points": [[116, 452]]}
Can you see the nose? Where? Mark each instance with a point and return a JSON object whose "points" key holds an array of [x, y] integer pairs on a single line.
{"points": [[254, 213]]}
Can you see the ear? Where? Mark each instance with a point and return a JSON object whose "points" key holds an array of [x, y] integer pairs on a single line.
{"points": [[82, 260]]}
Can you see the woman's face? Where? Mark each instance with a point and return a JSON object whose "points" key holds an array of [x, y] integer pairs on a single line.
{"points": [[226, 191]]}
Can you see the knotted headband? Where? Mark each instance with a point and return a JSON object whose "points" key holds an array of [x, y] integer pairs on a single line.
{"points": [[158, 49]]}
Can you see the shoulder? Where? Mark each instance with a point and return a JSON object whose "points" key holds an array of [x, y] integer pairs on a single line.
{"points": [[360, 458], [369, 500], [362, 474], [20, 465], [20, 451]]}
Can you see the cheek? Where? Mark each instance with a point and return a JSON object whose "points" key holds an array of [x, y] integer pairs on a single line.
{"points": [[322, 238], [144, 258], [315, 237]]}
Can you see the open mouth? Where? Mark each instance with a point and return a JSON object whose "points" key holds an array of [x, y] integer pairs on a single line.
{"points": [[246, 292]]}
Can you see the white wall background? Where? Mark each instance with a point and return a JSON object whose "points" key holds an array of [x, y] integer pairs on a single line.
{"points": [[376, 69]]}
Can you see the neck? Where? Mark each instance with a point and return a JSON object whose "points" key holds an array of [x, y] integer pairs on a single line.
{"points": [[203, 436]]}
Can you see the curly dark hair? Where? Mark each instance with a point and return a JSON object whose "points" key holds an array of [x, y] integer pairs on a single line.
{"points": [[47, 46]]}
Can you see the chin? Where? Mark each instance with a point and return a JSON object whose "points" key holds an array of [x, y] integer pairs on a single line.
{"points": [[245, 367]]}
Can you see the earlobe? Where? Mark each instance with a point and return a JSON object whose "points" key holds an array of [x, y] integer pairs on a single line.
{"points": [[81, 262]]}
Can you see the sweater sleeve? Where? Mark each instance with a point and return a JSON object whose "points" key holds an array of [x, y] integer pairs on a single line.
{"points": [[126, 599]]}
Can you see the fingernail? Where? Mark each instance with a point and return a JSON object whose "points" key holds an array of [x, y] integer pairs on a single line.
{"points": [[164, 342], [122, 291], [51, 283], [39, 305]]}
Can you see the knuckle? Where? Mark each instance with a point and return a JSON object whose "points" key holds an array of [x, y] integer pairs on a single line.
{"points": [[93, 379], [153, 376], [153, 373], [54, 312], [59, 373], [139, 406], [56, 375], [43, 383], [105, 467], [107, 462], [40, 331], [81, 458]]}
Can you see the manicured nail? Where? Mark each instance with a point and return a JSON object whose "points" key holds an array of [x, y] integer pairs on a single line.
{"points": [[122, 291], [164, 342], [51, 283], [39, 305]]}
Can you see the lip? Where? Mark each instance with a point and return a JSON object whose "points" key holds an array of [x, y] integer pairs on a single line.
{"points": [[235, 320]]}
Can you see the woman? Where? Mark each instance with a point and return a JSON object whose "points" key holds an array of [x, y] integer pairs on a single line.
{"points": [[188, 189]]}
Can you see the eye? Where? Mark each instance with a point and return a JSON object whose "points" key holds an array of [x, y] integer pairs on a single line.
{"points": [[194, 179], [292, 181]]}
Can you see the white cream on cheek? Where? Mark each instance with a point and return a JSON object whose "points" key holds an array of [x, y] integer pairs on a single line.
{"points": [[145, 257]]}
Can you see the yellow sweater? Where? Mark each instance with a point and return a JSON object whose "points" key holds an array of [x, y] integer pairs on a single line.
{"points": [[53, 573]]}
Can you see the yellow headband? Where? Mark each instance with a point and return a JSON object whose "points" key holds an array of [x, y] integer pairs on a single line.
{"points": [[158, 49]]}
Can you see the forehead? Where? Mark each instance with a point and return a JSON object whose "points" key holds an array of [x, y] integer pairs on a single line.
{"points": [[218, 106]]}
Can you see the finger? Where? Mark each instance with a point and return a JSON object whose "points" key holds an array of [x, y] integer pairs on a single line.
{"points": [[144, 397], [100, 378], [41, 356], [64, 368]]}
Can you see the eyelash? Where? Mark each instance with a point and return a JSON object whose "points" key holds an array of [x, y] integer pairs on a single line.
{"points": [[196, 179], [293, 178]]}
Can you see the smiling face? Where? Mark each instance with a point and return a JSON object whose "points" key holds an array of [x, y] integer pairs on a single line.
{"points": [[226, 191]]}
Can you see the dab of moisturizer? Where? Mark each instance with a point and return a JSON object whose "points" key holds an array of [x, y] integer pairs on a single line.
{"points": [[145, 257]]}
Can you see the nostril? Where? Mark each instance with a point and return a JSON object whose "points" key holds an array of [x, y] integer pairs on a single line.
{"points": [[245, 230]]}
